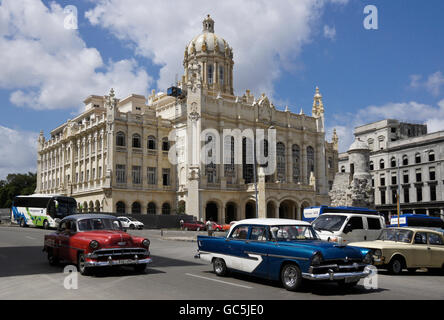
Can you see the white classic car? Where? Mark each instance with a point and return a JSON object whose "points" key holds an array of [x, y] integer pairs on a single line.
{"points": [[131, 223]]}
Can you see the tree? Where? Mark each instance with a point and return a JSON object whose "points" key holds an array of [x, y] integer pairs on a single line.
{"points": [[14, 185]]}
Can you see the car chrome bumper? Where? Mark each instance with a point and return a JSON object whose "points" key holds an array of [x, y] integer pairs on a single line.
{"points": [[331, 275], [126, 262]]}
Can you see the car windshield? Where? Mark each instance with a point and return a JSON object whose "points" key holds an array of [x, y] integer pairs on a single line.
{"points": [[132, 219], [99, 224], [293, 232], [398, 235], [329, 222]]}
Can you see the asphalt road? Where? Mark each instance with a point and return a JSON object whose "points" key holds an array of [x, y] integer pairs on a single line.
{"points": [[174, 275]]}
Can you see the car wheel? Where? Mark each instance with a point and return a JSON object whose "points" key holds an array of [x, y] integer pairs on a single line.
{"points": [[52, 259], [395, 266], [81, 265], [139, 268], [22, 223], [291, 277], [46, 225], [219, 267], [131, 227]]}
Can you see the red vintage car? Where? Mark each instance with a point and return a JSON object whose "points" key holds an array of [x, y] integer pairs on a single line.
{"points": [[194, 225], [96, 240]]}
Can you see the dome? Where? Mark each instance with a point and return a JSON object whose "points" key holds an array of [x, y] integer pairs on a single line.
{"points": [[358, 144], [207, 41]]}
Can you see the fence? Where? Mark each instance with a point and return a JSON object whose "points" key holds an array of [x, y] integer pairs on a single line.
{"points": [[154, 221]]}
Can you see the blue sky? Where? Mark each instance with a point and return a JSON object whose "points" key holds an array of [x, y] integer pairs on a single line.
{"points": [[282, 49]]}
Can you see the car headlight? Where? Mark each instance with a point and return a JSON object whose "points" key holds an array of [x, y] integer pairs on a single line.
{"points": [[316, 259], [368, 258], [377, 253], [94, 244], [146, 243]]}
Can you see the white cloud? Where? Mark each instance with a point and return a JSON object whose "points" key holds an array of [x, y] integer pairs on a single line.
{"points": [[50, 67], [18, 153], [329, 32], [265, 35], [411, 111], [433, 83]]}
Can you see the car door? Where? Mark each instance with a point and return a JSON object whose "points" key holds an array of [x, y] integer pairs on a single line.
{"points": [[256, 249], [63, 236], [436, 244], [421, 251], [354, 230], [235, 248]]}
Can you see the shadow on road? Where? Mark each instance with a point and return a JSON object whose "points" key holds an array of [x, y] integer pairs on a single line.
{"points": [[320, 288]]}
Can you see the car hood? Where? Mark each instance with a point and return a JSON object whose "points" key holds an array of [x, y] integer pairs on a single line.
{"points": [[107, 237], [329, 250], [378, 244]]}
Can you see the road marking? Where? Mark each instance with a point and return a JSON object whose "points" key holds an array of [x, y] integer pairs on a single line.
{"points": [[30, 237], [220, 281]]}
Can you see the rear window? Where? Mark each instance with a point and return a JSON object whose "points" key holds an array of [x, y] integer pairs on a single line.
{"points": [[374, 224], [356, 223]]}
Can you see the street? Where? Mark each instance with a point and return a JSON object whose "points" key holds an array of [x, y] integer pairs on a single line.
{"points": [[174, 275]]}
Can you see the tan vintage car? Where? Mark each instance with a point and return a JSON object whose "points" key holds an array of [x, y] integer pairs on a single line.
{"points": [[408, 248]]}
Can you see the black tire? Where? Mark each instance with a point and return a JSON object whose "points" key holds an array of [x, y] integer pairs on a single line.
{"points": [[132, 227], [291, 277], [84, 271], [411, 270], [219, 267], [396, 265], [22, 223], [46, 225], [53, 260], [139, 268]]}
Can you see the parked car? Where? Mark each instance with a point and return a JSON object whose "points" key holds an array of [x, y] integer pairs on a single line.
{"points": [[227, 227], [216, 226], [344, 228], [95, 240], [131, 223], [194, 225], [407, 248], [284, 250]]}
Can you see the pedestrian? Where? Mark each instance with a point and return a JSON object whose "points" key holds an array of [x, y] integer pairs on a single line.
{"points": [[181, 224], [209, 225]]}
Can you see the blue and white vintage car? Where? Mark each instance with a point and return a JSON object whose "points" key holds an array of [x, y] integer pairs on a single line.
{"points": [[283, 250]]}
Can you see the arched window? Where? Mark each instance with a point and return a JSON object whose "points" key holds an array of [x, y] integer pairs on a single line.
{"points": [[210, 74], [120, 139], [166, 209], [417, 158], [381, 164], [210, 167], [151, 209], [221, 75], [296, 158], [280, 161], [136, 208], [432, 155], [165, 144], [310, 162], [137, 141], [152, 143], [393, 162], [405, 160], [372, 166], [120, 207]]}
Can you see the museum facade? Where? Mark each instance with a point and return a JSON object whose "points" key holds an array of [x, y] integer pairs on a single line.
{"points": [[147, 155]]}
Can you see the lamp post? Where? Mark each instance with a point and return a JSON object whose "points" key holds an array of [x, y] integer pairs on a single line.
{"points": [[399, 192]]}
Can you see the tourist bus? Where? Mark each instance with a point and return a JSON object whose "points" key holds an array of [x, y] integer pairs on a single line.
{"points": [[416, 220], [311, 213], [42, 210]]}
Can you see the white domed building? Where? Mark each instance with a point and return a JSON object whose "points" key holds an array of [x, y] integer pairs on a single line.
{"points": [[134, 138]]}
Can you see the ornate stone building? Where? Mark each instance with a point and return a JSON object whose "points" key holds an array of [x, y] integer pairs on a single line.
{"points": [[139, 156]]}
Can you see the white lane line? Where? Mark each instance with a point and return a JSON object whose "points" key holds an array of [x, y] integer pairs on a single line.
{"points": [[220, 281]]}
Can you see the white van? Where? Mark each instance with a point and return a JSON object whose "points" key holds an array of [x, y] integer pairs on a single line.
{"points": [[344, 228]]}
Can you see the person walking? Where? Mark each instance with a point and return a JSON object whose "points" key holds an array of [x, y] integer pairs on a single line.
{"points": [[209, 225]]}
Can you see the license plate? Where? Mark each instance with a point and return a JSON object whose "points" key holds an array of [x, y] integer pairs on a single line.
{"points": [[127, 261]]}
